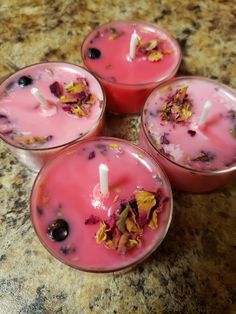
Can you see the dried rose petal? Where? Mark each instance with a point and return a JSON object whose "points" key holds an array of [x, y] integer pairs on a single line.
{"points": [[205, 156], [56, 89], [92, 220], [164, 140]]}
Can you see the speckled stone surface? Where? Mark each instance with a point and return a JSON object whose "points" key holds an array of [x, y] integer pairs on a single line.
{"points": [[194, 269]]}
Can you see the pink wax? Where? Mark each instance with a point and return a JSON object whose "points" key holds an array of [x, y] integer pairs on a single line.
{"points": [[33, 135], [127, 82], [197, 158], [67, 188]]}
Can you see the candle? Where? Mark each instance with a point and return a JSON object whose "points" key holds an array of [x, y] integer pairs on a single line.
{"points": [[197, 158], [103, 172], [133, 45], [45, 106], [130, 59], [91, 231]]}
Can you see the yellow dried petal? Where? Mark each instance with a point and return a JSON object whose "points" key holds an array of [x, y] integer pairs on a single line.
{"points": [[131, 225], [186, 112], [69, 85], [66, 99], [77, 88], [110, 245], [155, 56], [92, 99], [113, 36], [131, 243], [145, 201], [152, 44], [77, 110], [32, 140], [153, 224], [114, 146], [101, 233]]}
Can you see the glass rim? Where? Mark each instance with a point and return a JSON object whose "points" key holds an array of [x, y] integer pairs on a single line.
{"points": [[84, 135], [111, 139], [149, 140], [131, 22]]}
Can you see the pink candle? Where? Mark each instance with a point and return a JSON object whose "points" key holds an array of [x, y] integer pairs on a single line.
{"points": [[93, 228], [130, 59], [189, 126], [46, 106]]}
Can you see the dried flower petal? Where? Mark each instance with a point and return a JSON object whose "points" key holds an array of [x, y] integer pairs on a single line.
{"points": [[145, 200], [92, 220], [177, 107], [131, 225], [56, 89], [121, 221], [68, 99], [32, 140], [205, 156], [78, 111], [101, 233], [164, 139], [76, 88], [114, 146], [122, 243], [131, 243], [153, 224], [155, 56]]}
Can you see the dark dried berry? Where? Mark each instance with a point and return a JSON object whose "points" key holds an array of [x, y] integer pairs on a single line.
{"points": [[58, 230], [93, 53], [56, 89], [191, 132], [25, 81], [91, 155]]}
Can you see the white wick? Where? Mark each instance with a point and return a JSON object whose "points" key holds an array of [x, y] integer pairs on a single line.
{"points": [[103, 174], [48, 110], [133, 44], [204, 114]]}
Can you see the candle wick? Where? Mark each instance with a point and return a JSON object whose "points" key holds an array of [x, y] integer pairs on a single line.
{"points": [[132, 46], [47, 109], [103, 175], [205, 112]]}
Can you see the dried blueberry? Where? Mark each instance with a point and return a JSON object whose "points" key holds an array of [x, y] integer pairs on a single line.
{"points": [[58, 230], [93, 53], [25, 81]]}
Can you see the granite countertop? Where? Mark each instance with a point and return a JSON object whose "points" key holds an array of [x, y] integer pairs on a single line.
{"points": [[194, 269]]}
